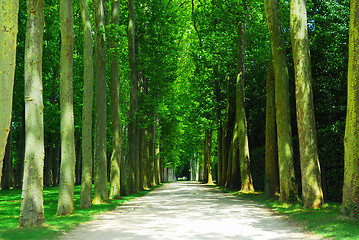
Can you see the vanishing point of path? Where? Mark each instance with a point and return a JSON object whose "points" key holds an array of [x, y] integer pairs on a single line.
{"points": [[188, 210]]}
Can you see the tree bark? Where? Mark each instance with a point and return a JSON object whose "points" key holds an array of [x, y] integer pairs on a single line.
{"points": [[68, 155], [100, 160], [288, 189], [271, 163], [309, 160], [225, 137], [115, 187], [87, 161], [244, 159], [132, 129], [7, 170], [32, 204], [8, 37], [208, 160], [350, 204]]}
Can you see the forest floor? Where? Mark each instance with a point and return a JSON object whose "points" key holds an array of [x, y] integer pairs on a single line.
{"points": [[189, 210]]}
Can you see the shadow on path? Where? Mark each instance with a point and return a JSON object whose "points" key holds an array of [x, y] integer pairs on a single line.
{"points": [[188, 210]]}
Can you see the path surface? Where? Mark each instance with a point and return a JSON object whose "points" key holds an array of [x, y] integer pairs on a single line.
{"points": [[188, 210]]}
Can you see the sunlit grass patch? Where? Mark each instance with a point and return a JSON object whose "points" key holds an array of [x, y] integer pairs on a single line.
{"points": [[325, 220], [10, 202]]}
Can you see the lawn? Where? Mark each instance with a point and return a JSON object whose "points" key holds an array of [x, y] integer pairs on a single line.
{"points": [[10, 201], [326, 220]]}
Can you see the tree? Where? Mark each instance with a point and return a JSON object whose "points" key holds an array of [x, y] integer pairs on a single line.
{"points": [[8, 22], [241, 120], [288, 189], [271, 163], [68, 157], [86, 181], [350, 204], [207, 157], [32, 206], [309, 161], [115, 187], [132, 128], [100, 173]]}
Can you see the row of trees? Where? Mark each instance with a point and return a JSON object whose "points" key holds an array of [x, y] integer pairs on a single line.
{"points": [[186, 80], [229, 120]]}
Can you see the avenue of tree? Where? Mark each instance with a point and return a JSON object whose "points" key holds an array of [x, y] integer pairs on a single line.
{"points": [[110, 94]]}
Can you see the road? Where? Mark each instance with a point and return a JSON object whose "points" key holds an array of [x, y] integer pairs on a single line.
{"points": [[188, 210]]}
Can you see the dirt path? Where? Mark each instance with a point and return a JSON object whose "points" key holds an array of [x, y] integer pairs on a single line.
{"points": [[187, 210]]}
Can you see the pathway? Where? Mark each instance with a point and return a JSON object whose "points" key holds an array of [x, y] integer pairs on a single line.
{"points": [[188, 210]]}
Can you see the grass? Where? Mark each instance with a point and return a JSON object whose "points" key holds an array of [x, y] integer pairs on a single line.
{"points": [[326, 220], [10, 201]]}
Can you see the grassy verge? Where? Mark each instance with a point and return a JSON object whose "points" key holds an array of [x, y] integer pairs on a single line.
{"points": [[10, 202], [326, 221]]}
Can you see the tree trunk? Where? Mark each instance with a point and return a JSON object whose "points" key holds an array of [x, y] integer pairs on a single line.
{"points": [[244, 159], [350, 204], [288, 189], [307, 133], [8, 37], [19, 171], [208, 160], [151, 154], [229, 166], [219, 155], [87, 161], [271, 163], [225, 142], [157, 156], [32, 205], [100, 160], [57, 162], [234, 173], [144, 174], [132, 129], [7, 170], [68, 156], [115, 187]]}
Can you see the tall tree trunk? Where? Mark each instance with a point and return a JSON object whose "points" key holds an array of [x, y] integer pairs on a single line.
{"points": [[68, 156], [151, 154], [132, 129], [32, 204], [8, 37], [87, 161], [234, 177], [288, 189], [115, 188], [225, 134], [144, 179], [271, 163], [350, 204], [208, 160], [7, 170], [157, 155], [309, 160], [229, 166], [57, 162], [220, 154], [19, 171], [244, 159], [100, 160]]}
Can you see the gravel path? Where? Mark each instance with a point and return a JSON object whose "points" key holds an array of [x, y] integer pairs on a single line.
{"points": [[188, 210]]}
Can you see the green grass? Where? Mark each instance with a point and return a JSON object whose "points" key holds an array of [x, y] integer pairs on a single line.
{"points": [[10, 201], [326, 220]]}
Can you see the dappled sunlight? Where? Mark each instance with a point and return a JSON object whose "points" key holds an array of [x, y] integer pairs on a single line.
{"points": [[187, 210]]}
